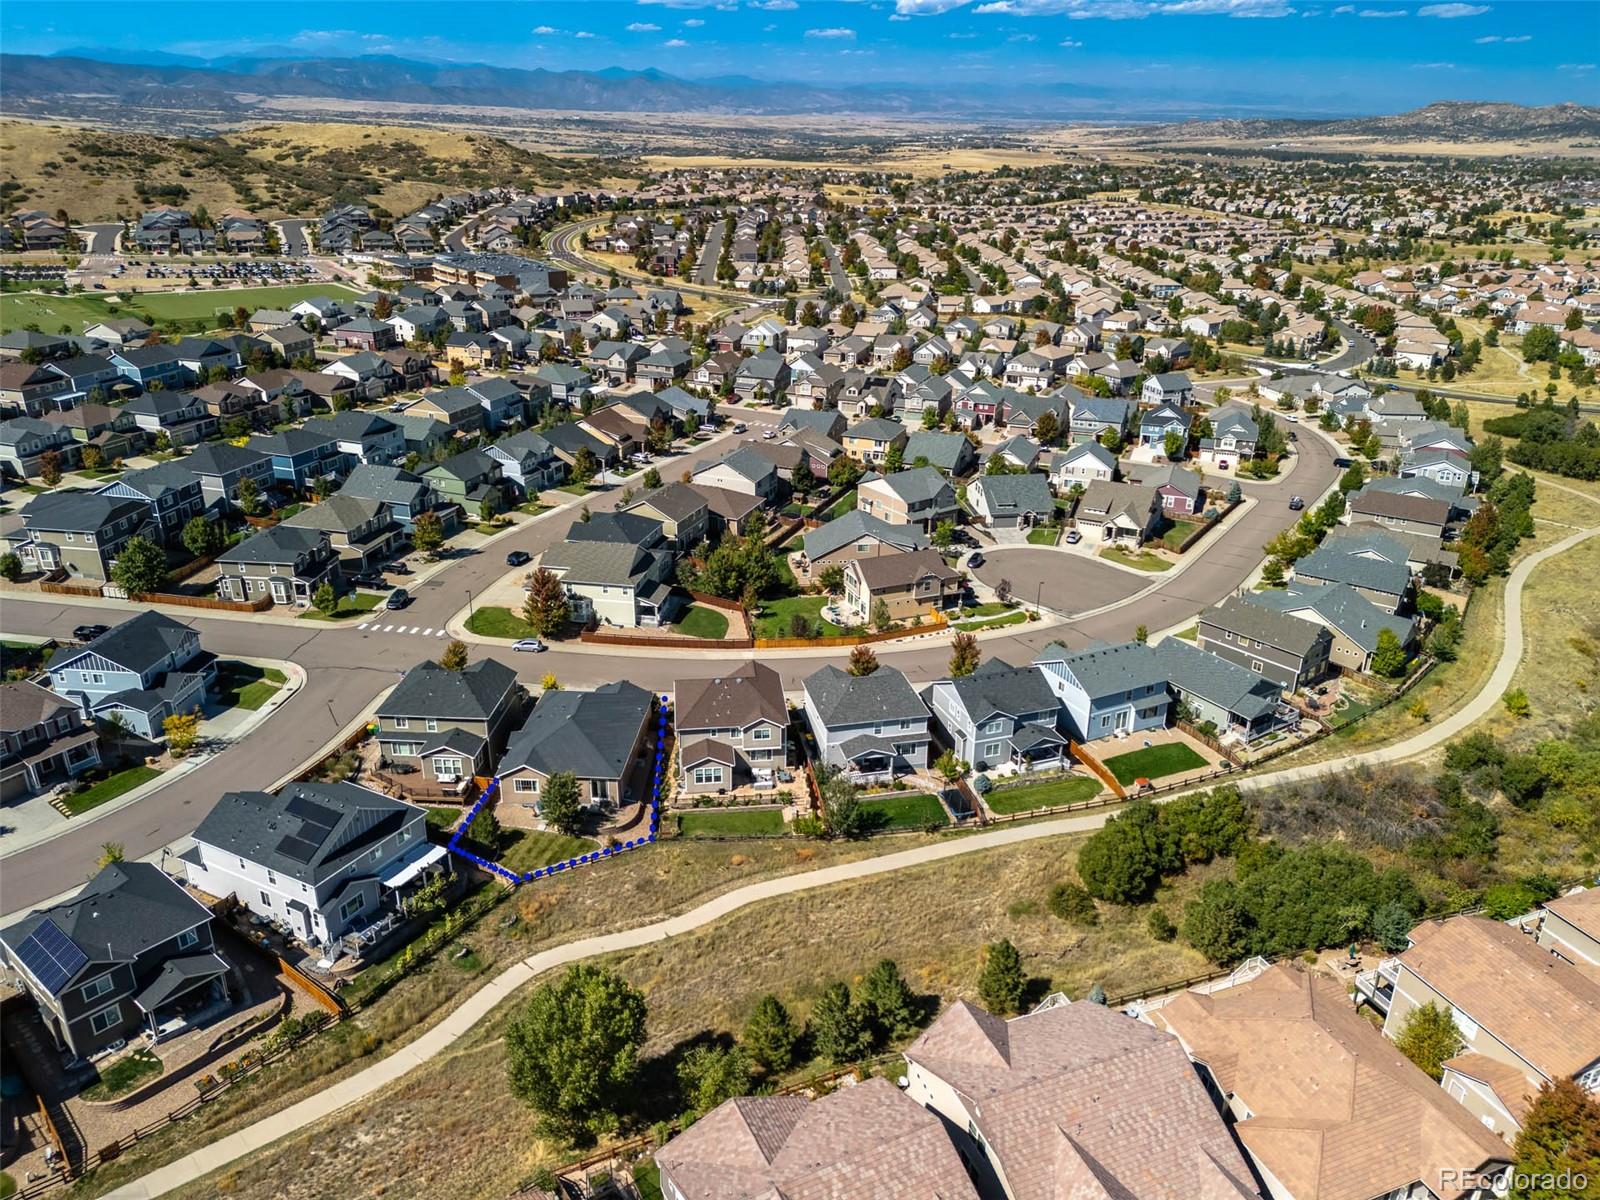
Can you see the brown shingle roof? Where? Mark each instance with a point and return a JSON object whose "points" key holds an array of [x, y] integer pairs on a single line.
{"points": [[25, 704], [901, 570], [1581, 909], [734, 701], [1080, 1101], [1544, 1009], [1508, 1083], [1339, 1113]]}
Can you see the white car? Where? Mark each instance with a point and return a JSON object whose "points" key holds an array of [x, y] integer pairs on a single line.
{"points": [[530, 645]]}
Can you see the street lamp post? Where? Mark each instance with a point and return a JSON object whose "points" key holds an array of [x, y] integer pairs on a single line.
{"points": [[471, 611]]}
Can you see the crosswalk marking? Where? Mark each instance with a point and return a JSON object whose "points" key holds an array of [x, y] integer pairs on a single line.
{"points": [[412, 630], [363, 624], [427, 633]]}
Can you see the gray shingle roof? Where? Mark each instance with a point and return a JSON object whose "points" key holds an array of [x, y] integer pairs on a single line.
{"points": [[916, 485], [1191, 670], [614, 563], [855, 525], [840, 698], [428, 690], [1006, 494], [79, 512], [589, 733], [1341, 607], [1243, 615], [277, 544], [389, 484], [139, 643], [998, 687], [1106, 670], [1348, 557]]}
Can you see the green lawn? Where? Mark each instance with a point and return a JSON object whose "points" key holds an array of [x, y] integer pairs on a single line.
{"points": [[1011, 618], [647, 1180], [1043, 536], [842, 505], [443, 818], [496, 622], [1073, 789], [51, 312], [775, 615], [244, 686], [528, 849], [351, 605], [122, 1076], [731, 822], [702, 621], [1191, 634], [1153, 762], [1177, 532], [1142, 561], [911, 811], [109, 788]]}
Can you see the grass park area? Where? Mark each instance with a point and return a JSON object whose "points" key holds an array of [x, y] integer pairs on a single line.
{"points": [[109, 788], [50, 313], [526, 849], [240, 685], [352, 605], [1071, 789], [702, 621], [122, 1076], [494, 622], [731, 822], [1153, 762], [776, 615], [1143, 560], [912, 811]]}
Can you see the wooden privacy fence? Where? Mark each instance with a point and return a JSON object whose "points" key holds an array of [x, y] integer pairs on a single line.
{"points": [[666, 641], [929, 625], [1099, 768]]}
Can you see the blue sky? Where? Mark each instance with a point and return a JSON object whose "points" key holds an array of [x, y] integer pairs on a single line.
{"points": [[1278, 55]]}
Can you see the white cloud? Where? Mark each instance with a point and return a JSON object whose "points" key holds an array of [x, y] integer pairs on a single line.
{"points": [[545, 30], [835, 32], [643, 27], [961, 37], [927, 8], [1344, 9], [694, 23], [1576, 67], [1490, 39], [1449, 12], [1120, 10], [1382, 14], [674, 43], [1521, 37], [775, 5], [857, 53], [583, 33], [1022, 37], [1434, 66], [897, 16], [1069, 44]]}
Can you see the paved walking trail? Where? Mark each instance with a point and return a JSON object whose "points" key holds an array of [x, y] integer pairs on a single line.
{"points": [[478, 1005]]}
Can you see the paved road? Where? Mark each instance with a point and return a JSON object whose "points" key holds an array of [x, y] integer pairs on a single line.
{"points": [[476, 1007], [837, 276], [294, 239], [705, 270], [1358, 348], [99, 239]]}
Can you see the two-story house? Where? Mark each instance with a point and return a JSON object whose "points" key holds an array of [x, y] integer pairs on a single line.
{"points": [[451, 725], [221, 467], [468, 479], [743, 470], [1290, 652], [904, 586], [24, 442], [874, 726], [407, 496], [528, 462], [360, 530], [1001, 717], [870, 441], [43, 740], [285, 563], [617, 569], [602, 737], [1105, 691], [732, 729], [141, 671], [79, 532], [170, 491], [302, 456], [921, 497]]}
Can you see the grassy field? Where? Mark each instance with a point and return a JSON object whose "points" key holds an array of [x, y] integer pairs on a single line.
{"points": [[1153, 762], [498, 623], [703, 621], [1177, 532], [776, 614], [914, 811], [1071, 790], [526, 849], [731, 822], [1010, 618], [50, 313], [109, 788], [248, 687], [353, 604]]}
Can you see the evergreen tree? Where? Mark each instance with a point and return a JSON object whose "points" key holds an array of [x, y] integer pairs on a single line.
{"points": [[1001, 983]]}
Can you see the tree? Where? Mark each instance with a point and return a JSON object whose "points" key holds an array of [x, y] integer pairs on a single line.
{"points": [[708, 1075], [1001, 983], [249, 497], [1389, 659], [1047, 427], [427, 534], [1516, 703], [1173, 444], [547, 607], [831, 578], [584, 465], [862, 661], [1072, 904], [1216, 923], [1124, 860], [963, 655], [561, 804], [454, 657], [110, 852], [652, 479], [92, 458], [182, 730], [836, 1029], [770, 1035], [1428, 1036], [888, 1008], [881, 618], [50, 468], [10, 567], [1558, 1144], [841, 805], [573, 1051], [1540, 344], [950, 768], [944, 533], [141, 568], [325, 600], [201, 537], [1391, 926], [843, 473]]}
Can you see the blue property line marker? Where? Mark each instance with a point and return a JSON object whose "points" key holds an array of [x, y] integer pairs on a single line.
{"points": [[658, 776]]}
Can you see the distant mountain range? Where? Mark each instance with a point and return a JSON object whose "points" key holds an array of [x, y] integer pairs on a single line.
{"points": [[94, 80]]}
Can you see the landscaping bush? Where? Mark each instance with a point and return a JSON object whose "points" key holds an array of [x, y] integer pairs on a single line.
{"points": [[1072, 904]]}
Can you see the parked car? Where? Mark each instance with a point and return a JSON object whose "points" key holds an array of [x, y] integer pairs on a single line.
{"points": [[740, 427], [530, 645], [88, 633], [517, 557], [1296, 503], [1074, 537], [371, 580], [975, 559], [398, 598]]}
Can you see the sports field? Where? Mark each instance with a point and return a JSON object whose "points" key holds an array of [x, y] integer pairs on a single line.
{"points": [[50, 313]]}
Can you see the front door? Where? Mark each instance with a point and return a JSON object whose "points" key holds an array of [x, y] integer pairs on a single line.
{"points": [[280, 592], [1120, 721]]}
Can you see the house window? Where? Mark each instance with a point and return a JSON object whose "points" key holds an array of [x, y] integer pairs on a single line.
{"points": [[351, 907], [105, 1019], [266, 899], [1467, 1026], [993, 726], [1255, 665], [272, 877], [705, 775], [96, 987], [433, 725], [188, 938], [991, 751], [402, 723], [761, 733], [530, 786], [446, 768]]}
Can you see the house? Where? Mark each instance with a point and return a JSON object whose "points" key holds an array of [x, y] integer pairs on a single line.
{"points": [[1428, 516], [1370, 561], [1074, 1100], [143, 670], [181, 416], [301, 457], [1325, 1107], [24, 442], [325, 860], [364, 437], [116, 959], [1291, 653], [874, 726], [365, 333], [169, 491], [369, 371], [1158, 422], [469, 479], [1169, 387], [870, 441], [451, 725], [43, 740], [1085, 463], [1569, 927], [79, 532], [1525, 1017], [1118, 512], [1096, 418], [528, 461], [284, 563], [1229, 701], [360, 530], [1106, 691], [906, 586], [859, 534], [602, 737], [682, 511], [291, 342], [742, 470], [1011, 501], [1234, 438], [617, 582], [732, 729], [570, 439], [407, 496], [951, 453], [921, 497], [460, 410], [867, 1140], [761, 377], [1353, 621], [1179, 489], [1000, 717]]}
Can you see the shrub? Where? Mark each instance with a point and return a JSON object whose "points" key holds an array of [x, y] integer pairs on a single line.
{"points": [[1072, 904], [1160, 925]]}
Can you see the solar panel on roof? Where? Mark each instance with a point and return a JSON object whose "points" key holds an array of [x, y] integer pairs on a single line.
{"points": [[298, 849], [51, 956], [311, 812]]}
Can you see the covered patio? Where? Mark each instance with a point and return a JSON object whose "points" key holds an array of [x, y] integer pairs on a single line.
{"points": [[189, 991]]}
